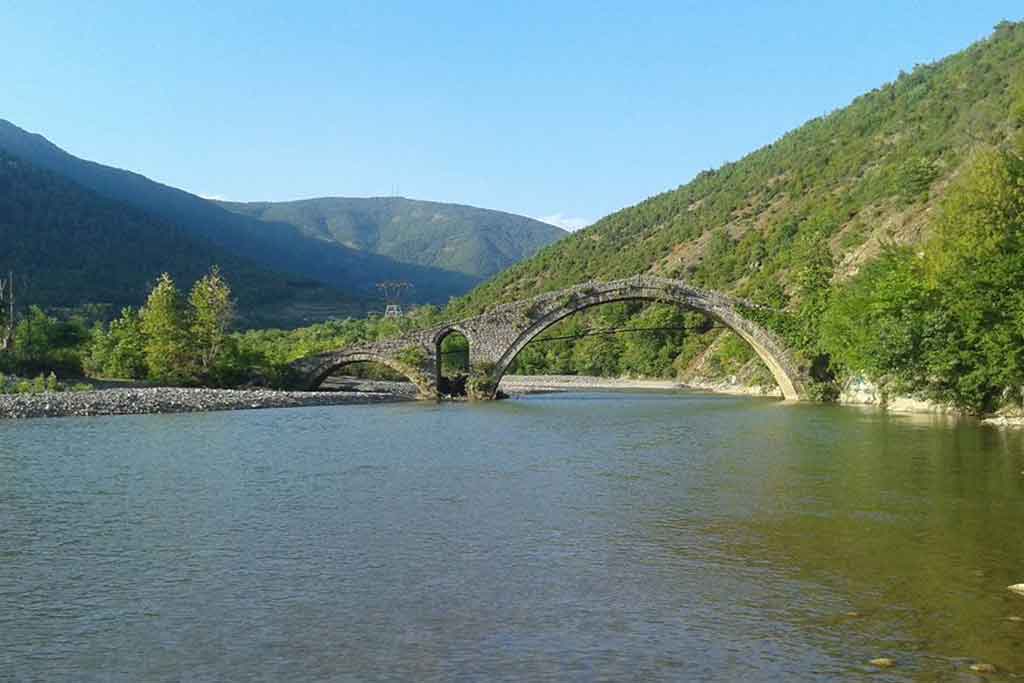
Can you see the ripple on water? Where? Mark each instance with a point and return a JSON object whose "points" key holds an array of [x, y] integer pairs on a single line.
{"points": [[655, 536]]}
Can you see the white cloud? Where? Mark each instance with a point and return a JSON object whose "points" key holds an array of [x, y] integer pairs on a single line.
{"points": [[214, 197], [570, 223]]}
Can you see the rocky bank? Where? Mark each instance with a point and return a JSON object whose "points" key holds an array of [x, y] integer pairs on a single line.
{"points": [[139, 401], [532, 384]]}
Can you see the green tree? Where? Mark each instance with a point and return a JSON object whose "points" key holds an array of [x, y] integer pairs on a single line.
{"points": [[812, 276], [597, 355], [914, 178], [212, 313], [45, 344], [976, 266], [650, 353], [877, 324], [120, 350], [165, 326]]}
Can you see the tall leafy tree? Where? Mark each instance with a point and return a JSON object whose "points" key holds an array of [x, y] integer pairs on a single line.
{"points": [[212, 315], [812, 278], [166, 341]]}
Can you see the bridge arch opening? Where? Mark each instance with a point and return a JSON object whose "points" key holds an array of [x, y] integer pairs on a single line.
{"points": [[452, 362], [736, 332], [361, 372]]}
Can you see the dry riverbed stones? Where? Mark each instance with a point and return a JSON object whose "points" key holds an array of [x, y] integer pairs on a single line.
{"points": [[137, 401]]}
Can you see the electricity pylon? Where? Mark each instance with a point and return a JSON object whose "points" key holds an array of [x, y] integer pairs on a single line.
{"points": [[392, 290]]}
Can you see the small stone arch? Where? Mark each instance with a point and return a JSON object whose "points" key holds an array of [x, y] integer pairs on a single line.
{"points": [[328, 363], [437, 342], [768, 349], [442, 332]]}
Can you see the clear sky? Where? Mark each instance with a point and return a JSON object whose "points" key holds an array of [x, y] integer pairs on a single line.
{"points": [[562, 110]]}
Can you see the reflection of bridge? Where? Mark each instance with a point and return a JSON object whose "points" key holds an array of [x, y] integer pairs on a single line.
{"points": [[497, 336]]}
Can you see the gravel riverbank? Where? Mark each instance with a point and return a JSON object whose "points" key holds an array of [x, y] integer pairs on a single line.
{"points": [[139, 401], [529, 384]]}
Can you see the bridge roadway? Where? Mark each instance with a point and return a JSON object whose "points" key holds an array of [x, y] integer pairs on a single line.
{"points": [[498, 335]]}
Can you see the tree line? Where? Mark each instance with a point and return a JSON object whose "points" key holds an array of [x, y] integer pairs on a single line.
{"points": [[171, 339], [181, 339]]}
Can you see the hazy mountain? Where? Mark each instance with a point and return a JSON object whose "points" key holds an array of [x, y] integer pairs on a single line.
{"points": [[70, 246], [464, 239], [278, 246]]}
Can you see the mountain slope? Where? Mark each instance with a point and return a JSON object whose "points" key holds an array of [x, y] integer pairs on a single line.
{"points": [[70, 246], [464, 239], [274, 245], [845, 183]]}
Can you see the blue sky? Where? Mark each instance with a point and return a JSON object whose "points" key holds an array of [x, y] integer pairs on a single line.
{"points": [[558, 110]]}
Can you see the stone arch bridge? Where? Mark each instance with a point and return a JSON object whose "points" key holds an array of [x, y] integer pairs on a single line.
{"points": [[497, 336]]}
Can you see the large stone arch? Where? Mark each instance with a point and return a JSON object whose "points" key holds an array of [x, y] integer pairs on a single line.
{"points": [[769, 349], [497, 336], [318, 368]]}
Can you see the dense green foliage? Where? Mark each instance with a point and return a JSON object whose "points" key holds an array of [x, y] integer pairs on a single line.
{"points": [[454, 355], [165, 335], [947, 322], [118, 350], [283, 346], [464, 239], [578, 346], [209, 326], [43, 344], [175, 340]]}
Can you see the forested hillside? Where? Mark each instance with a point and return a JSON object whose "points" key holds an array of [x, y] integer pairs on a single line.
{"points": [[914, 163], [273, 245], [475, 242], [69, 246], [862, 176]]}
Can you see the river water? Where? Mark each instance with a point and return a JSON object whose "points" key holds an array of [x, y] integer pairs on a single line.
{"points": [[614, 536]]}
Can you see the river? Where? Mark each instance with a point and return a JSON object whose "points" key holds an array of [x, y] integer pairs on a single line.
{"points": [[619, 536]]}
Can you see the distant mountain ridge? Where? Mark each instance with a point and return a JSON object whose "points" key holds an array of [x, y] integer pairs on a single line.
{"points": [[295, 249], [476, 242], [70, 246]]}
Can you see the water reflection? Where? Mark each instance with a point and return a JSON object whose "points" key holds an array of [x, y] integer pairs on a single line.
{"points": [[902, 533]]}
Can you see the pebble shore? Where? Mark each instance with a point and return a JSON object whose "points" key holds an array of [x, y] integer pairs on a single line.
{"points": [[529, 384], [140, 401]]}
